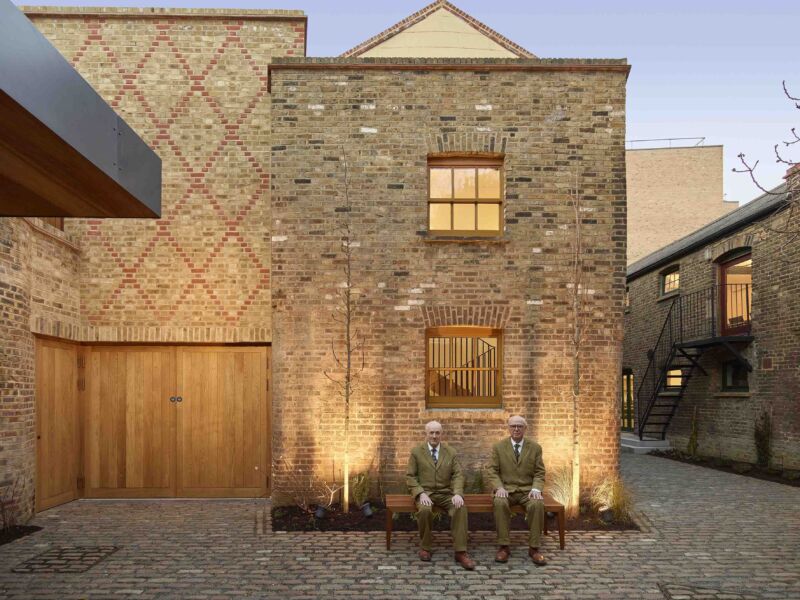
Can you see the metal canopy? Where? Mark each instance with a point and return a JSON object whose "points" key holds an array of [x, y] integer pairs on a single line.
{"points": [[63, 151]]}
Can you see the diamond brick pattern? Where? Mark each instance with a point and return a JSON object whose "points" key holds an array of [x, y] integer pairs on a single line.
{"points": [[196, 91]]}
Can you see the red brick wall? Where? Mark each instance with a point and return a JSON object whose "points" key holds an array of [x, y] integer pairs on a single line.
{"points": [[192, 83]]}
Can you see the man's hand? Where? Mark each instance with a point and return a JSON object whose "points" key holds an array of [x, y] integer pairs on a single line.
{"points": [[425, 500], [501, 493], [535, 495], [458, 501]]}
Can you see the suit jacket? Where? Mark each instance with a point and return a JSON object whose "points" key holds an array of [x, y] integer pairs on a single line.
{"points": [[516, 476], [443, 477]]}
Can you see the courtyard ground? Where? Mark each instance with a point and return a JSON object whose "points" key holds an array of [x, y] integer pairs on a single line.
{"points": [[707, 535]]}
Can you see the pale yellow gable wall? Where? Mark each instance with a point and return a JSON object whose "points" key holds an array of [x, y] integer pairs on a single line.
{"points": [[440, 35]]}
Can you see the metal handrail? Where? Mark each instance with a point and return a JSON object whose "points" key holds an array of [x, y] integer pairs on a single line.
{"points": [[690, 318], [643, 408]]}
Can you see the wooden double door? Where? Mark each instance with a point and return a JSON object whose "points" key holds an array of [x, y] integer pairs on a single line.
{"points": [[174, 421]]}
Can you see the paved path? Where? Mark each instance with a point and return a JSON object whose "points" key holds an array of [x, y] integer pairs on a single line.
{"points": [[712, 535]]}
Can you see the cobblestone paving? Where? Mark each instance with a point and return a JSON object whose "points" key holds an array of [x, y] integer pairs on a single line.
{"points": [[710, 535]]}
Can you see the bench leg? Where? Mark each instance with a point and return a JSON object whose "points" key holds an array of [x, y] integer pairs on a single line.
{"points": [[562, 523], [388, 529]]}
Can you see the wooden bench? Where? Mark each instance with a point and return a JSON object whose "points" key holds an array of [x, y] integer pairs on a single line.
{"points": [[397, 503]]}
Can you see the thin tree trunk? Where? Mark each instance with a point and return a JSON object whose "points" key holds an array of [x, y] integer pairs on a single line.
{"points": [[577, 338]]}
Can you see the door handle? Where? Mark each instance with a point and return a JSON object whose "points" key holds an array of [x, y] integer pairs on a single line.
{"points": [[173, 399], [179, 399]]}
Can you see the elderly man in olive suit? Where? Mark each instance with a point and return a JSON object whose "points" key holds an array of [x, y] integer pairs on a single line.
{"points": [[434, 478], [516, 475]]}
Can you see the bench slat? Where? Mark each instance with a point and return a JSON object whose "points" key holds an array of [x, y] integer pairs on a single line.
{"points": [[475, 503]]}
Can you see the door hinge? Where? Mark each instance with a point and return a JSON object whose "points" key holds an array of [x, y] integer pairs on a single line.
{"points": [[81, 384], [81, 362]]}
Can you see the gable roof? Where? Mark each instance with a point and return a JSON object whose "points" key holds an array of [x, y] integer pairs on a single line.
{"points": [[743, 216], [425, 13]]}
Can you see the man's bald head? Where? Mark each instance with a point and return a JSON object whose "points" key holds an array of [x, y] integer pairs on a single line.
{"points": [[433, 432]]}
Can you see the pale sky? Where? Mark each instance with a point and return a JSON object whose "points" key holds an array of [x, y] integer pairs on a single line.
{"points": [[700, 68]]}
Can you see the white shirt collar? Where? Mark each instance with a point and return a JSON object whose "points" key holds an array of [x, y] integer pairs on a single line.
{"points": [[438, 448], [519, 442]]}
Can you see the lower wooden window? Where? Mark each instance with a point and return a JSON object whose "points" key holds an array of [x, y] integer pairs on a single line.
{"points": [[674, 378], [463, 367], [734, 377]]}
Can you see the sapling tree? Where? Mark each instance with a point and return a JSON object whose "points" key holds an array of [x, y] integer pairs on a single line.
{"points": [[578, 316], [349, 359]]}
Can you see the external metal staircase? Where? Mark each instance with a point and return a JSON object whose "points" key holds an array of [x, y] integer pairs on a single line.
{"points": [[693, 326]]}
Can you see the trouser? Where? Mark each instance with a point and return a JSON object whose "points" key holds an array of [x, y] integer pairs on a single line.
{"points": [[534, 515], [458, 521]]}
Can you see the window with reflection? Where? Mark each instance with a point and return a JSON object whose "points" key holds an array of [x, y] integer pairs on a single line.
{"points": [[670, 280], [465, 195]]}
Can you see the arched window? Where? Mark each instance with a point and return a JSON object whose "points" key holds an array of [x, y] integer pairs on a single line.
{"points": [[735, 290]]}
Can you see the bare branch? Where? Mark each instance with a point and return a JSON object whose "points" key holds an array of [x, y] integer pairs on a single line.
{"points": [[796, 137], [789, 96], [751, 171]]}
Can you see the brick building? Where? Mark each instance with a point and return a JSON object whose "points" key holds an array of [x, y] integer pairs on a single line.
{"points": [[712, 335], [672, 192], [197, 344]]}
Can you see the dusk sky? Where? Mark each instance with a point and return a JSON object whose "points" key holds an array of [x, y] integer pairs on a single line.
{"points": [[708, 69]]}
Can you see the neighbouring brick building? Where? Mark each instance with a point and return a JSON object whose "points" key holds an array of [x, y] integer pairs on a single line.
{"points": [[671, 192], [723, 297], [461, 172]]}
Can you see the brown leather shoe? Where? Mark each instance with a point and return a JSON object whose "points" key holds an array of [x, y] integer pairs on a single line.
{"points": [[503, 552], [537, 557], [424, 555], [465, 561]]}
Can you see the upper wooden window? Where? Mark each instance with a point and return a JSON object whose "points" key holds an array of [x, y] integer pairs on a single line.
{"points": [[463, 367], [670, 280], [465, 195]]}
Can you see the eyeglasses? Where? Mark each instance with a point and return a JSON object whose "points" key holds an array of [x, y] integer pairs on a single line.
{"points": [[516, 426]]}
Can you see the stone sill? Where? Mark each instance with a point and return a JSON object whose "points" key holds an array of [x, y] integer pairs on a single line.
{"points": [[449, 239], [450, 411], [669, 296], [732, 395]]}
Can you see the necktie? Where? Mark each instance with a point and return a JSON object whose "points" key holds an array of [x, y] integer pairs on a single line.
{"points": [[516, 451], [433, 454]]}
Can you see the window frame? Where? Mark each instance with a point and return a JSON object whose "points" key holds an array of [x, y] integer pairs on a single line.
{"points": [[723, 371], [662, 281], [464, 402], [628, 392], [673, 374], [460, 161]]}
